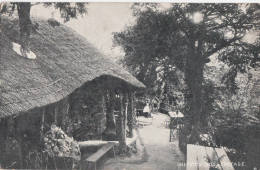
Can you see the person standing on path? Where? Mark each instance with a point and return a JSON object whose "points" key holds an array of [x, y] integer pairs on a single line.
{"points": [[146, 110]]}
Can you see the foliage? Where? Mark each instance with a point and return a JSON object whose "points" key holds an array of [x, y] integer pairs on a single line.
{"points": [[57, 143], [235, 120], [237, 110], [185, 36], [67, 11]]}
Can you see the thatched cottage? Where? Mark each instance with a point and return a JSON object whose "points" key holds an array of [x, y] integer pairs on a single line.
{"points": [[69, 83]]}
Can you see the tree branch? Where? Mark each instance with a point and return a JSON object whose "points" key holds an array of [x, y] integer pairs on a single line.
{"points": [[221, 46]]}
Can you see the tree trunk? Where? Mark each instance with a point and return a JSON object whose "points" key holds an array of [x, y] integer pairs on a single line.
{"points": [[194, 78], [24, 23]]}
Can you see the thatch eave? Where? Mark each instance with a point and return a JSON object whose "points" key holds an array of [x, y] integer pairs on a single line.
{"points": [[65, 61]]}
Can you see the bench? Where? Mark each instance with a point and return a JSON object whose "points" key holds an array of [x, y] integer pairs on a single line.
{"points": [[198, 158], [91, 161], [94, 143]]}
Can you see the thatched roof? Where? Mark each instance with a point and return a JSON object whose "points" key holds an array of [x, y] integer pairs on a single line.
{"points": [[65, 61]]}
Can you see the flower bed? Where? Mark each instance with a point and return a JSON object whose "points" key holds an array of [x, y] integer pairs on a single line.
{"points": [[58, 144]]}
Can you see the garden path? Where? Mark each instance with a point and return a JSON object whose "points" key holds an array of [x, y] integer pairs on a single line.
{"points": [[155, 152]]}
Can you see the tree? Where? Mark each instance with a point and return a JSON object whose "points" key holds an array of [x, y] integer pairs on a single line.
{"points": [[185, 36], [67, 11]]}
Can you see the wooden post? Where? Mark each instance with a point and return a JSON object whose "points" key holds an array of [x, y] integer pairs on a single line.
{"points": [[42, 123], [110, 132], [103, 101], [100, 124], [3, 137], [111, 107], [126, 110], [134, 121], [63, 105], [65, 113], [131, 115], [122, 138], [61, 109], [56, 113], [20, 141], [20, 150]]}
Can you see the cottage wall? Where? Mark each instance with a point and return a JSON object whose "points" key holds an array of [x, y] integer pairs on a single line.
{"points": [[87, 111], [21, 138], [81, 115]]}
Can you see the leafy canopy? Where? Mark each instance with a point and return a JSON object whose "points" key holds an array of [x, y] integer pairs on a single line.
{"points": [[189, 32], [67, 11]]}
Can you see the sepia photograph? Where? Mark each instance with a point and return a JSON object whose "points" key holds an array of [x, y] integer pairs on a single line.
{"points": [[129, 85]]}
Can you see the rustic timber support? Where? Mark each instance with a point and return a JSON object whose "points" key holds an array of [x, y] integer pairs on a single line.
{"points": [[56, 112], [20, 141], [67, 108], [63, 112], [110, 131], [60, 109], [111, 108], [126, 110], [20, 150], [3, 137], [131, 113], [42, 123], [122, 118], [104, 94]]}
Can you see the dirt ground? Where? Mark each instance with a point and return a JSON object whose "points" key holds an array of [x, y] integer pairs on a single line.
{"points": [[155, 152]]}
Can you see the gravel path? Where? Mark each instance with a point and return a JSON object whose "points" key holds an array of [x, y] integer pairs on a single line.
{"points": [[155, 150]]}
